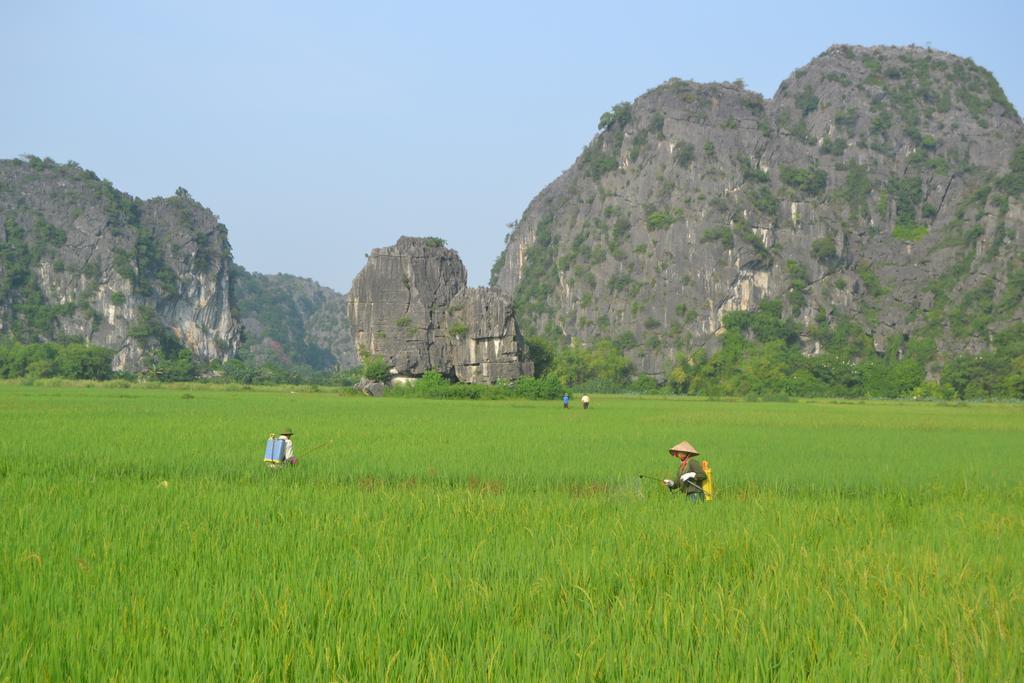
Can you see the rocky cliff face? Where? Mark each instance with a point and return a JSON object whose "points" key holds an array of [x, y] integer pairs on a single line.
{"points": [[78, 259], [410, 305], [293, 321], [878, 185]]}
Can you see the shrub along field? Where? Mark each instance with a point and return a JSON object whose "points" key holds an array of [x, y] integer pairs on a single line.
{"points": [[505, 540]]}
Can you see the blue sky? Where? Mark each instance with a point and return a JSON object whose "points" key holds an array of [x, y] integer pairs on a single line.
{"points": [[319, 130]]}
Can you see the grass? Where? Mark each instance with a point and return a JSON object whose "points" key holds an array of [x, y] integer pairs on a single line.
{"points": [[910, 233], [456, 540]]}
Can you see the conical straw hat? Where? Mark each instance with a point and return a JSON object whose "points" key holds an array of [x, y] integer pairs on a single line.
{"points": [[683, 447]]}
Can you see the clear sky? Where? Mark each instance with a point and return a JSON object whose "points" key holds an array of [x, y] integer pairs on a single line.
{"points": [[319, 130]]}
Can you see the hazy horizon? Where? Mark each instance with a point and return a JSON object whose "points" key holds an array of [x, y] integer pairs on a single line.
{"points": [[317, 132]]}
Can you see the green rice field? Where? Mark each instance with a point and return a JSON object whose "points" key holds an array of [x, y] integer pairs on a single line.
{"points": [[144, 539]]}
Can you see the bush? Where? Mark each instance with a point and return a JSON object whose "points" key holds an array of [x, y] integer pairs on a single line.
{"points": [[909, 233], [824, 250], [907, 193], [806, 101], [596, 162], [721, 234], [621, 114], [764, 201], [77, 361], [376, 369], [750, 172], [660, 220], [178, 369], [683, 154], [545, 388], [1013, 182], [808, 181], [435, 385], [834, 146]]}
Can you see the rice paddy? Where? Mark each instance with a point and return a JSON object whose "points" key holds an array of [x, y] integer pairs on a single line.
{"points": [[144, 539]]}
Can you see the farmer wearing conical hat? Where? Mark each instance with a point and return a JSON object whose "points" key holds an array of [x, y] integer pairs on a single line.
{"points": [[691, 475], [286, 436]]}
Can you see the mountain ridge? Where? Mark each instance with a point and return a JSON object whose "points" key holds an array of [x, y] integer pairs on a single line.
{"points": [[875, 198]]}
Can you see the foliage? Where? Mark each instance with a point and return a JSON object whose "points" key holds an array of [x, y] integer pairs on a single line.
{"points": [[540, 276], [619, 115], [907, 193], [846, 119], [434, 385], [823, 250], [995, 374], [180, 368], [721, 234], [871, 282], [763, 200], [72, 361], [806, 101], [751, 172], [909, 233], [745, 234], [808, 181], [541, 353], [149, 327], [1013, 182], [603, 362], [662, 220], [798, 281], [596, 162], [376, 368], [834, 146], [856, 189], [33, 318], [683, 154]]}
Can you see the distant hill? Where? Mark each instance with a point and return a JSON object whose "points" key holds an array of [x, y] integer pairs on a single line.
{"points": [[293, 322], [875, 200]]}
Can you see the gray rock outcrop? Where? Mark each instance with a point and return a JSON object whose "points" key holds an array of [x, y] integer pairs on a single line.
{"points": [[370, 388], [410, 305]]}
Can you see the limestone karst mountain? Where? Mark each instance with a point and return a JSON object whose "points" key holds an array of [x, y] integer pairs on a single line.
{"points": [[879, 187], [879, 194], [81, 260]]}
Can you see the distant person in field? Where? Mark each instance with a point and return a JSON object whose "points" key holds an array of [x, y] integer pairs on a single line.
{"points": [[691, 475], [565, 400], [586, 401], [279, 449]]}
